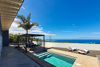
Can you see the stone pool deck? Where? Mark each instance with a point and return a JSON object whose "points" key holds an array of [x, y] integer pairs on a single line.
{"points": [[98, 56], [82, 60], [12, 57]]}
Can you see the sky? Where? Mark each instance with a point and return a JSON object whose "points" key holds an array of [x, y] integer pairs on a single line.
{"points": [[62, 19]]}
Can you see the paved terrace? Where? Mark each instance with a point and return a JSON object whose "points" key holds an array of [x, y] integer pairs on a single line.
{"points": [[12, 57], [82, 60]]}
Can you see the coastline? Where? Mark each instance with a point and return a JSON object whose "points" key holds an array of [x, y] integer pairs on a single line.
{"points": [[73, 45]]}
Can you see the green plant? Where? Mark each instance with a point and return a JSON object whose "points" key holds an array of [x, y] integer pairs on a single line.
{"points": [[94, 43], [13, 38]]}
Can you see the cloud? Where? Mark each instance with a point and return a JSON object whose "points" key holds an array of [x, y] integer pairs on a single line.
{"points": [[48, 31], [30, 19], [84, 37], [44, 33], [39, 25], [14, 29], [95, 32], [23, 7], [67, 31]]}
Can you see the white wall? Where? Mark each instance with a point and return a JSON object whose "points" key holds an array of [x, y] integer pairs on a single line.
{"points": [[0, 44], [74, 45]]}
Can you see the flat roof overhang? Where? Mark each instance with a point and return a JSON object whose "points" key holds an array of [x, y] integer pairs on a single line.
{"points": [[8, 11], [32, 35]]}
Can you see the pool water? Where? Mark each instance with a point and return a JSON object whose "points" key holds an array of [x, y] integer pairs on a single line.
{"points": [[57, 60]]}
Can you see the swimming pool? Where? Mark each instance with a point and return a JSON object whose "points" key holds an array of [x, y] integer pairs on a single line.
{"points": [[57, 59]]}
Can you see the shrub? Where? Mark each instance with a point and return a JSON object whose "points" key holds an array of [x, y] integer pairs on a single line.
{"points": [[14, 39], [94, 43]]}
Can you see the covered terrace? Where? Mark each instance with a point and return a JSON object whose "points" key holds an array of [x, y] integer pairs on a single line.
{"points": [[30, 44]]}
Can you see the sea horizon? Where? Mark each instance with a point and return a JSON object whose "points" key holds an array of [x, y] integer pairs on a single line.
{"points": [[96, 41]]}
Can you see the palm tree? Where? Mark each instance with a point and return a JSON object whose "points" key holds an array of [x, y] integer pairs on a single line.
{"points": [[25, 24]]}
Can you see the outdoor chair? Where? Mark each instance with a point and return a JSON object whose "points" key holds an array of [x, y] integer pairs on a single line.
{"points": [[83, 51], [71, 49]]}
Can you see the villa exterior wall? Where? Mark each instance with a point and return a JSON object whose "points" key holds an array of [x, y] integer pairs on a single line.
{"points": [[0, 44], [0, 36], [73, 45], [5, 36]]}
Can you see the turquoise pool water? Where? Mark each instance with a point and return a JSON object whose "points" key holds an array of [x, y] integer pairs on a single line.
{"points": [[57, 60]]}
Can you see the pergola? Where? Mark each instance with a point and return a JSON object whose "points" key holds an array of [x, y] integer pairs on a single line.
{"points": [[32, 35]]}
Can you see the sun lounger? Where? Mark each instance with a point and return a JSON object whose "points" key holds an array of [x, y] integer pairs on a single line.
{"points": [[83, 51], [71, 49]]}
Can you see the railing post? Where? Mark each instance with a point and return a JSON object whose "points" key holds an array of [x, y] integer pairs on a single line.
{"points": [[26, 42], [44, 42], [18, 41]]}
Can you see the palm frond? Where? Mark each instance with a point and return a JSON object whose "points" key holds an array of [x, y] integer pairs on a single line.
{"points": [[21, 25], [29, 17], [22, 17], [26, 22], [35, 24]]}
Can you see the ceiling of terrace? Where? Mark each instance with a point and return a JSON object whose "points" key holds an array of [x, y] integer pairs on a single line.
{"points": [[8, 10]]}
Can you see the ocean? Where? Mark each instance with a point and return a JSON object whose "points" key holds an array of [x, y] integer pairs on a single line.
{"points": [[75, 41]]}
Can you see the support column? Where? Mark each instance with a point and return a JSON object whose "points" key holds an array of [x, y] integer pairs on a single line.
{"points": [[6, 38]]}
